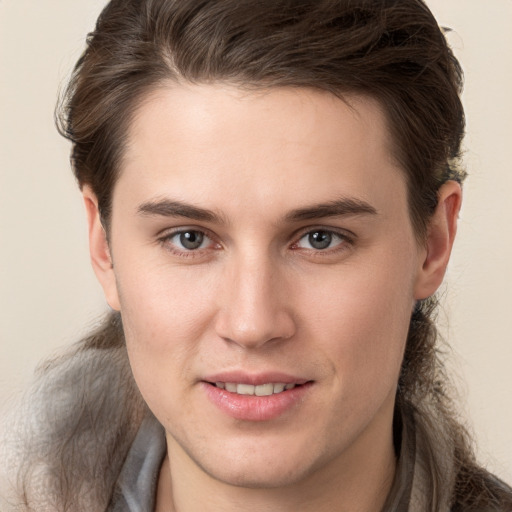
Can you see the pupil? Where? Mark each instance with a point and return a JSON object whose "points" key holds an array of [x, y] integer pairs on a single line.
{"points": [[191, 239], [320, 239]]}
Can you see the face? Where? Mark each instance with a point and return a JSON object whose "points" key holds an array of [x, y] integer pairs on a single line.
{"points": [[265, 268]]}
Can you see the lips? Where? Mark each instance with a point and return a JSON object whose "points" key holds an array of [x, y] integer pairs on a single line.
{"points": [[260, 397]]}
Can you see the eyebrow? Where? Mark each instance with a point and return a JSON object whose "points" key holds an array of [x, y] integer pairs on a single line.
{"points": [[336, 208], [171, 208]]}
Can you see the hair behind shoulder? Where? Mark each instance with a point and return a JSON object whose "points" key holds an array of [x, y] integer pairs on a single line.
{"points": [[67, 441]]}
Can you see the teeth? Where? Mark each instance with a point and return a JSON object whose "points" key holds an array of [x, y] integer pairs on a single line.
{"points": [[264, 390], [278, 388], [261, 390], [245, 389]]}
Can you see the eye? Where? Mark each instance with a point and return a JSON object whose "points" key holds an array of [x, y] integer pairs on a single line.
{"points": [[320, 239], [190, 239], [187, 240]]}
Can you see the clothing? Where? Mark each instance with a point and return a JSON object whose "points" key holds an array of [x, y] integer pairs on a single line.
{"points": [[137, 484]]}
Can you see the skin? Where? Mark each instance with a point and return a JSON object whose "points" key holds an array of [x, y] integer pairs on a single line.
{"points": [[258, 296]]}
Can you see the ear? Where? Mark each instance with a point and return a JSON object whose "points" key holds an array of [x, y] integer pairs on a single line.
{"points": [[440, 236], [99, 249]]}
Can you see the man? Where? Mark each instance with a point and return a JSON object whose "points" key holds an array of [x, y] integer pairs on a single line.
{"points": [[272, 194]]}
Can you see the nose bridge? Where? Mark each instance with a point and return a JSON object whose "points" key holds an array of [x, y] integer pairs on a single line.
{"points": [[254, 310]]}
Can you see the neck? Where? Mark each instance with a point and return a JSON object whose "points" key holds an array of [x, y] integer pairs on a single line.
{"points": [[357, 481]]}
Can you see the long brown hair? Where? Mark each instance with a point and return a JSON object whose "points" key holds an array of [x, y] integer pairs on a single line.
{"points": [[391, 50]]}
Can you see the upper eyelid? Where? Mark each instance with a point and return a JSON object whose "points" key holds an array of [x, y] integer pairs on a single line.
{"points": [[165, 241], [170, 232], [165, 236], [342, 232]]}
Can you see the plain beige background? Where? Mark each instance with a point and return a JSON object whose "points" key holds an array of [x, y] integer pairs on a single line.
{"points": [[48, 294]]}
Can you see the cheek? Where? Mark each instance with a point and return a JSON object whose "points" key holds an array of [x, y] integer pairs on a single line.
{"points": [[362, 320], [161, 303], [165, 316]]}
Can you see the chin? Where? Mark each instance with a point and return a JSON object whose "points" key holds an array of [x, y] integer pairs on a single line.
{"points": [[250, 477], [259, 466]]}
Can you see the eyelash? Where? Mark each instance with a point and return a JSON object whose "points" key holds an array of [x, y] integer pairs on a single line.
{"points": [[344, 238], [346, 241], [166, 242]]}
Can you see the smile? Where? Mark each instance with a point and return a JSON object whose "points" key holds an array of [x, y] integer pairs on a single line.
{"points": [[268, 389], [261, 401]]}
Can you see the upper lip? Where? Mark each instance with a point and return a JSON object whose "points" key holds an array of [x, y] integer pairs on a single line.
{"points": [[256, 379]]}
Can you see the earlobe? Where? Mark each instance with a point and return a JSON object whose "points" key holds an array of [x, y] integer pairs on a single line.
{"points": [[101, 259], [440, 237]]}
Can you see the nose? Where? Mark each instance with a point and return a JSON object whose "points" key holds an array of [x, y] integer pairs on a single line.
{"points": [[253, 308]]}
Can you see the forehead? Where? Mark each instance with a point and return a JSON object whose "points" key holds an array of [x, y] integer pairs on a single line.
{"points": [[219, 144]]}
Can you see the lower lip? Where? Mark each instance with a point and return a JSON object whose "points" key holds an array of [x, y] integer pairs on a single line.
{"points": [[256, 408]]}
